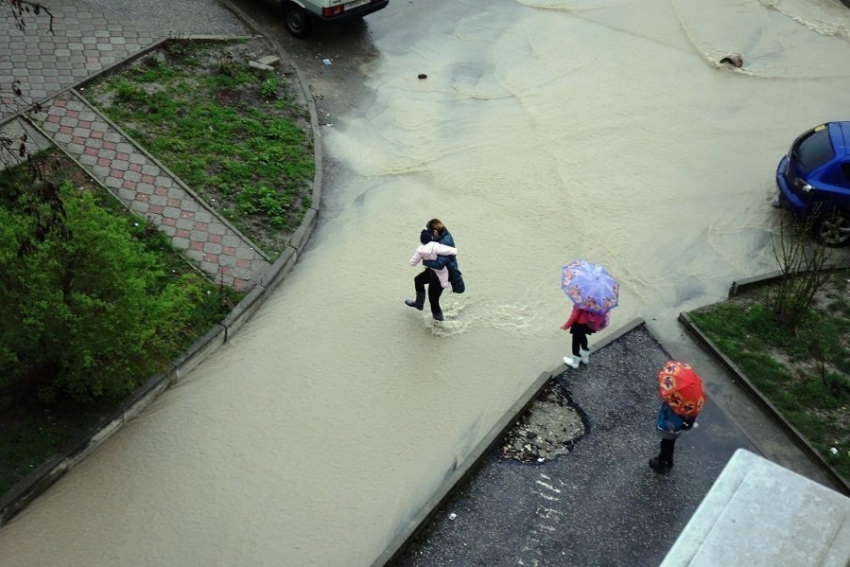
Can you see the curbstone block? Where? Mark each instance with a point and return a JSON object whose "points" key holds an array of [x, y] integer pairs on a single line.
{"points": [[300, 236], [243, 311], [210, 341]]}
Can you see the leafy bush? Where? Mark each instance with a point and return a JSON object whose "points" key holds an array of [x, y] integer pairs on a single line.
{"points": [[88, 313]]}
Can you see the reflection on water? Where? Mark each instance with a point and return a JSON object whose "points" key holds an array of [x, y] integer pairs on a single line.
{"points": [[545, 131]]}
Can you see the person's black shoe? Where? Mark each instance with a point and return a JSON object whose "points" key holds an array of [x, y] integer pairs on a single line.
{"points": [[418, 303], [660, 466], [438, 315]]}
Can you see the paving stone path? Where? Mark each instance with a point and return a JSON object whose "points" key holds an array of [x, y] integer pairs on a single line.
{"points": [[83, 43], [150, 191]]}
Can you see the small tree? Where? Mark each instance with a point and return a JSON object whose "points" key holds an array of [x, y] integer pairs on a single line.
{"points": [[803, 264], [86, 309]]}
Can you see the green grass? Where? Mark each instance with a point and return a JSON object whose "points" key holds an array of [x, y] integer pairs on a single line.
{"points": [[807, 375], [225, 130]]}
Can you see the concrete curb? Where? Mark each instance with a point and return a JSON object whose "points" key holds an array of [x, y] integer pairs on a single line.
{"points": [[744, 284], [46, 474], [738, 375], [462, 471]]}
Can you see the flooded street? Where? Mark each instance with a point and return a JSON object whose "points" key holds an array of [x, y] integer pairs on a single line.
{"points": [[545, 131]]}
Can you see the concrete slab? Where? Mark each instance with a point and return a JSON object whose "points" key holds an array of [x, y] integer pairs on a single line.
{"points": [[601, 504], [762, 515]]}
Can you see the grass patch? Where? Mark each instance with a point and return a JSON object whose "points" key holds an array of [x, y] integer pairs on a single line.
{"points": [[232, 133], [807, 375]]}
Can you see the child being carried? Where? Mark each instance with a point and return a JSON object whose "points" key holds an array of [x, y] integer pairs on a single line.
{"points": [[429, 250]]}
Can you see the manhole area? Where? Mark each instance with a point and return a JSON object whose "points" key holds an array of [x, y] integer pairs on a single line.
{"points": [[548, 429]]}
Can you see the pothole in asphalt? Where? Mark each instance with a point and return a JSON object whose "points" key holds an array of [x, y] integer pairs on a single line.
{"points": [[548, 429]]}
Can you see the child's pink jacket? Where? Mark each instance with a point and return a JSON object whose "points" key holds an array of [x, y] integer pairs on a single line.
{"points": [[578, 315], [430, 251]]}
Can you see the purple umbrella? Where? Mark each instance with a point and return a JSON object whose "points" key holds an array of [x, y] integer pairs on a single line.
{"points": [[589, 286]]}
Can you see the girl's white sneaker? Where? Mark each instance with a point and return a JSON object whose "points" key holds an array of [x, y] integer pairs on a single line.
{"points": [[572, 362], [584, 356]]}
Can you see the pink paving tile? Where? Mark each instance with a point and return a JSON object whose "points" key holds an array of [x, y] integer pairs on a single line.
{"points": [[174, 203], [156, 209], [226, 270], [135, 167], [181, 233], [122, 156], [243, 263], [84, 124], [214, 238], [103, 162], [211, 258], [147, 178], [117, 173], [91, 152], [161, 191], [131, 185], [194, 245], [65, 129], [202, 226], [72, 113], [96, 134], [229, 251], [186, 215], [109, 145], [52, 118], [60, 102], [239, 283], [78, 140], [169, 222]]}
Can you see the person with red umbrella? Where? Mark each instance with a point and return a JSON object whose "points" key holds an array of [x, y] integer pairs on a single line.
{"points": [[682, 399]]}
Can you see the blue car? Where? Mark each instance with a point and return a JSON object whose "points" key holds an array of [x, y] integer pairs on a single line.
{"points": [[814, 182]]}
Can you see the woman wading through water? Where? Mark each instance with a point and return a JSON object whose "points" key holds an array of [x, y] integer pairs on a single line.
{"points": [[439, 233]]}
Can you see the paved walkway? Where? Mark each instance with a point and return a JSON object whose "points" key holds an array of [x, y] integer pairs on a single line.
{"points": [[150, 191], [83, 42]]}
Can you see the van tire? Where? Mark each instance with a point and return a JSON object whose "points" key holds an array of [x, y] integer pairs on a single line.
{"points": [[833, 229], [296, 19]]}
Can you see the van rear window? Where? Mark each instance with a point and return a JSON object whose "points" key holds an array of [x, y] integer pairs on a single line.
{"points": [[814, 150]]}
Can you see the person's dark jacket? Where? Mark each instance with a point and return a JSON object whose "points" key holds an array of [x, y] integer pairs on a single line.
{"points": [[441, 262]]}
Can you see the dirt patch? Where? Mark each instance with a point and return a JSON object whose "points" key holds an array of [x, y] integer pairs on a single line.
{"points": [[548, 429]]}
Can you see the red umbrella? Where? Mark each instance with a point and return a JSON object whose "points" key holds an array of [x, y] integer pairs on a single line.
{"points": [[681, 388]]}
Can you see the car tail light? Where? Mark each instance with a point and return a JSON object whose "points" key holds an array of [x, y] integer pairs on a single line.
{"points": [[328, 12]]}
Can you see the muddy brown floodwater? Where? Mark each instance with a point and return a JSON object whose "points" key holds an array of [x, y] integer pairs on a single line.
{"points": [[545, 131]]}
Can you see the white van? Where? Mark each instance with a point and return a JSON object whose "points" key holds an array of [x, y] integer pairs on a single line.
{"points": [[300, 15]]}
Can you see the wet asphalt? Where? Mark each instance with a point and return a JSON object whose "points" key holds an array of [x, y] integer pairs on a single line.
{"points": [[601, 504]]}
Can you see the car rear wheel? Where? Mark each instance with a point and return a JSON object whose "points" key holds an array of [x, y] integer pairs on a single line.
{"points": [[296, 19], [833, 229]]}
